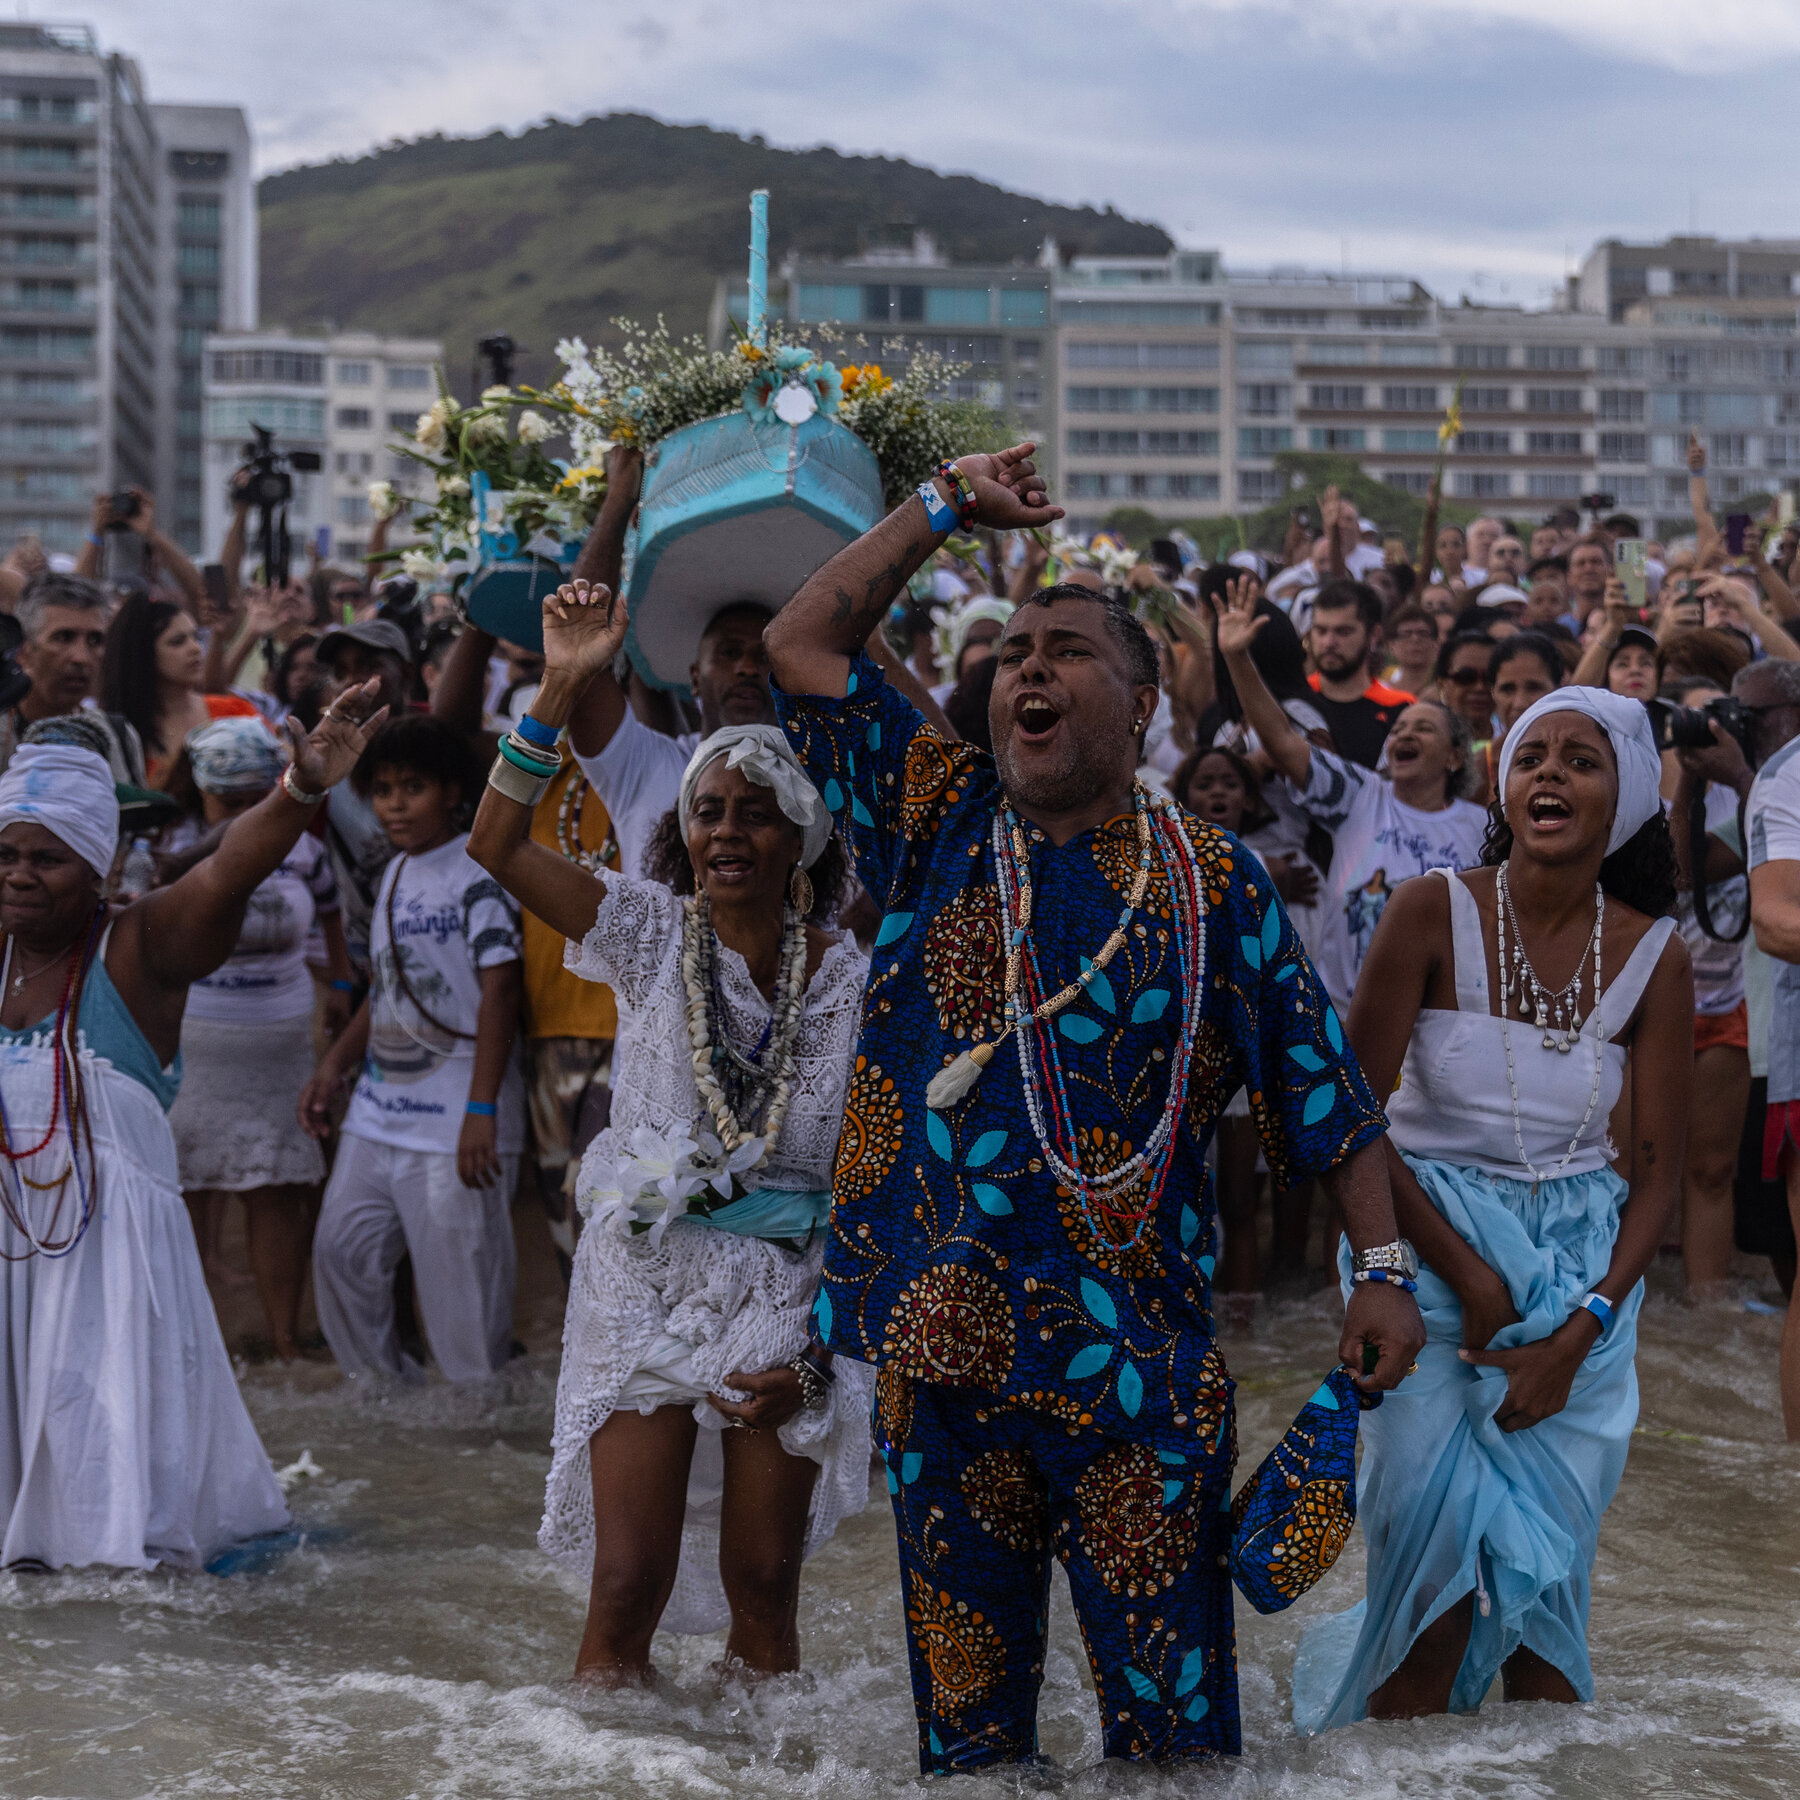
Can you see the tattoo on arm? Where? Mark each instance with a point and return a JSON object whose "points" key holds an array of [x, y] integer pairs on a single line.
{"points": [[1648, 1146]]}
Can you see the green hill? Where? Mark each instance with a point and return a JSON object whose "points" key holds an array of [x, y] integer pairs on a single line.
{"points": [[566, 227]]}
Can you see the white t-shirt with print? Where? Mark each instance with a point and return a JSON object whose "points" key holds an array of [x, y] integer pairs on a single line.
{"points": [[638, 778], [450, 920], [266, 976], [1377, 843]]}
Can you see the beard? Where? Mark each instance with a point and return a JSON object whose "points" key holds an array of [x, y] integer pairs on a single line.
{"points": [[1092, 760]]}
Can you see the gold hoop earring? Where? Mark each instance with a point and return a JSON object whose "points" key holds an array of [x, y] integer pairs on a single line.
{"points": [[800, 891]]}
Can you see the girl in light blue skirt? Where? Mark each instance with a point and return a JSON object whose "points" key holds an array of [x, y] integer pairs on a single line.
{"points": [[1506, 1000]]}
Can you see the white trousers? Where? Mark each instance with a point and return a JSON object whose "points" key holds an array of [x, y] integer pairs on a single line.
{"points": [[383, 1203]]}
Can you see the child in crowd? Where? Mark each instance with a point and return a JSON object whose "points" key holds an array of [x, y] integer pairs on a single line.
{"points": [[431, 1143], [1219, 786]]}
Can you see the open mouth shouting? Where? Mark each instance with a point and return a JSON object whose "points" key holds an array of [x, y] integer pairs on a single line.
{"points": [[728, 868], [1402, 753], [1549, 812], [1035, 719]]}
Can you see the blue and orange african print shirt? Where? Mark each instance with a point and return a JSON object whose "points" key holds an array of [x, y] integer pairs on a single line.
{"points": [[955, 1253]]}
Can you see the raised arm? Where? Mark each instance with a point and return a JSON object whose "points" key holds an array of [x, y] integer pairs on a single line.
{"points": [[462, 682], [173, 936], [1708, 547], [583, 629], [602, 558], [1591, 670], [1237, 629], [816, 634]]}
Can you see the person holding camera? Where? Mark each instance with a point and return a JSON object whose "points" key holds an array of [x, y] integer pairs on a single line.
{"points": [[131, 513]]}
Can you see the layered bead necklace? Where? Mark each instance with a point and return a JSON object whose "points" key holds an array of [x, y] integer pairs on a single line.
{"points": [[760, 1084], [68, 1107], [1554, 1014], [568, 828], [1159, 830]]}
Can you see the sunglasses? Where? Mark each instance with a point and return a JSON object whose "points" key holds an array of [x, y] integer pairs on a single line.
{"points": [[1466, 677]]}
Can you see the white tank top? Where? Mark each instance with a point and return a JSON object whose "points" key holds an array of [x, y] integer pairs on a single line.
{"points": [[1453, 1104]]}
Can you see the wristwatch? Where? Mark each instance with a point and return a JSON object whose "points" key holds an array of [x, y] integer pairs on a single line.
{"points": [[1398, 1258]]}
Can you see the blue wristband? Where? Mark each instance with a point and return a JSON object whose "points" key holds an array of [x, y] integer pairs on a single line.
{"points": [[1601, 1308], [535, 731], [482, 1109], [939, 513], [343, 987]]}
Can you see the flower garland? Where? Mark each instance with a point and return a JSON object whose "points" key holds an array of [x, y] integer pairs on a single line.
{"points": [[706, 1032]]}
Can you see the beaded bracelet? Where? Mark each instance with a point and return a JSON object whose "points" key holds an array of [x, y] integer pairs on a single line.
{"points": [[1392, 1277], [965, 493]]}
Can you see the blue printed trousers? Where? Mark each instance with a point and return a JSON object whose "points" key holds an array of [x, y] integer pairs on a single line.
{"points": [[984, 1494]]}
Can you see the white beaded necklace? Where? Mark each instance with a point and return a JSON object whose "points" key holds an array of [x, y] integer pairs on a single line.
{"points": [[1519, 977], [1015, 892], [707, 1036]]}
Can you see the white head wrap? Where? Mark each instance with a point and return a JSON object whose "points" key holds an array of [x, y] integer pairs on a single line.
{"points": [[953, 626], [763, 754], [1627, 727], [68, 791], [235, 756]]}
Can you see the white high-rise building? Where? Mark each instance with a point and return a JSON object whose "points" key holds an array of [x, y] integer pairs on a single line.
{"points": [[126, 231], [346, 397]]}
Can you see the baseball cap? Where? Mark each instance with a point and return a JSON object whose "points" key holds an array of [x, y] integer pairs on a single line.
{"points": [[1636, 634], [373, 634]]}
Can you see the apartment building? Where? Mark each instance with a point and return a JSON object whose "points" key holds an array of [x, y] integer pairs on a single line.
{"points": [[126, 229], [345, 396]]}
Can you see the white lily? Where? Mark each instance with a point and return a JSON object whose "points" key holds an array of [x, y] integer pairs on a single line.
{"points": [[534, 428]]}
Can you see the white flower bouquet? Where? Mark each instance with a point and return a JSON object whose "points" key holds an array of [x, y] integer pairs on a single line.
{"points": [[652, 1178], [497, 493]]}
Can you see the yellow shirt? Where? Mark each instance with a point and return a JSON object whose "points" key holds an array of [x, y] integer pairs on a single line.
{"points": [[558, 1004]]}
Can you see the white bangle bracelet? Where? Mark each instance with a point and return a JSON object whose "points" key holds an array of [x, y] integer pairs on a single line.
{"points": [[302, 796]]}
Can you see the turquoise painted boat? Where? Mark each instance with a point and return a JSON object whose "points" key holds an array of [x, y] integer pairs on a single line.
{"points": [[737, 510]]}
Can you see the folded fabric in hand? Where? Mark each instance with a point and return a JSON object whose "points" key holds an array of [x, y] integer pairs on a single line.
{"points": [[1292, 1518]]}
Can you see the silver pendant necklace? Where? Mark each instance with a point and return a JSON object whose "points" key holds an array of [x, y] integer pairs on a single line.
{"points": [[1556, 1014]]}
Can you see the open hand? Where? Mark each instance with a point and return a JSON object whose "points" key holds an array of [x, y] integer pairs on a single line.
{"points": [[1238, 619], [1538, 1375], [584, 625], [1696, 457], [326, 754], [775, 1397], [1009, 492]]}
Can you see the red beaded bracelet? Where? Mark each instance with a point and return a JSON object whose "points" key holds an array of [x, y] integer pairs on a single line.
{"points": [[964, 492]]}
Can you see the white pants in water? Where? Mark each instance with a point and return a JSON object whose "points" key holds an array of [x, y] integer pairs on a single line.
{"points": [[383, 1203]]}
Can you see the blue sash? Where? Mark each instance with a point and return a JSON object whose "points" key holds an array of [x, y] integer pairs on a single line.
{"points": [[771, 1213]]}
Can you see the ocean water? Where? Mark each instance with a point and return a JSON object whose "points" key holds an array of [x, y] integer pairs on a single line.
{"points": [[417, 1643]]}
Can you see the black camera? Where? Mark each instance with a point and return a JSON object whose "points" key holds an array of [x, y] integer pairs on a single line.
{"points": [[123, 508], [1690, 727], [266, 482]]}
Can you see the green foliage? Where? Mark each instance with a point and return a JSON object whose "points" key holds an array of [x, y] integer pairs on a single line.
{"points": [[564, 228], [1134, 525]]}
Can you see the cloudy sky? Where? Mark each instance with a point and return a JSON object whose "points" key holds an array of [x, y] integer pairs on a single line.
{"points": [[1479, 144]]}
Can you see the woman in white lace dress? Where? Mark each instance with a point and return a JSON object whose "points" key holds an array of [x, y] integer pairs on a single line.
{"points": [[705, 1201]]}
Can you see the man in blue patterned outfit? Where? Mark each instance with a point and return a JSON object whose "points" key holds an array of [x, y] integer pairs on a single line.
{"points": [[1028, 1263]]}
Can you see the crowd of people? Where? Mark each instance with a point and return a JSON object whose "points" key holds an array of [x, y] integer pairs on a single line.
{"points": [[924, 1039]]}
